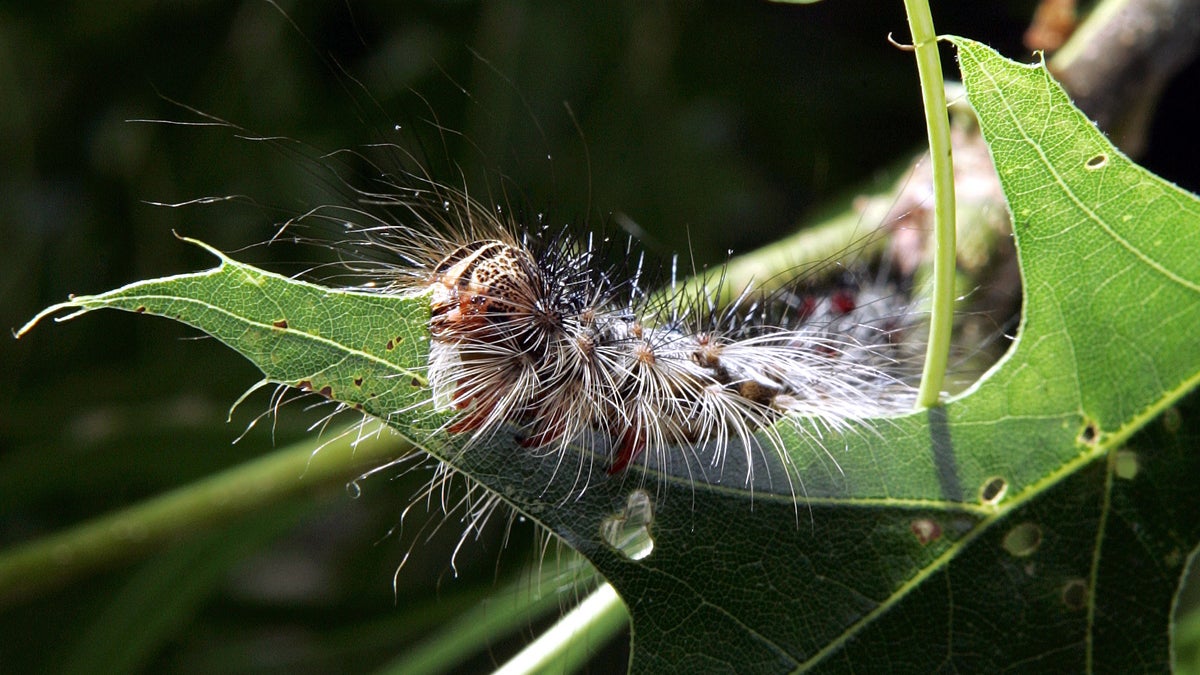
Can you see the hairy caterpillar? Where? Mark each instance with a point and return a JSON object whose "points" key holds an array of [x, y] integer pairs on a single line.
{"points": [[536, 329]]}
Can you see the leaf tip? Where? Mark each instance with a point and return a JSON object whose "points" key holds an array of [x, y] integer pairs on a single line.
{"points": [[196, 242], [73, 303]]}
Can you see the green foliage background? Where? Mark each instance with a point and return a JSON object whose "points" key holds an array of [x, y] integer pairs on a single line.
{"points": [[101, 416]]}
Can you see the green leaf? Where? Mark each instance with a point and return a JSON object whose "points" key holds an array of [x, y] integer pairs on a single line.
{"points": [[1009, 527], [366, 350]]}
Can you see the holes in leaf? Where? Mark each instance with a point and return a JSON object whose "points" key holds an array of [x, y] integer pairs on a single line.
{"points": [[1126, 464], [307, 385], [1097, 162], [993, 490], [1023, 539], [629, 531], [1089, 433], [1075, 594], [926, 530]]}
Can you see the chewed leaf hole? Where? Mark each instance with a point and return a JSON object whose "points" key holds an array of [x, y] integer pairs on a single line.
{"points": [[629, 531], [993, 490], [1096, 162], [926, 530], [1023, 539], [1126, 464], [1075, 594], [1088, 435]]}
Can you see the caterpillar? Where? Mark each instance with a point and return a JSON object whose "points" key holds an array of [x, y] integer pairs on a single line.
{"points": [[537, 329]]}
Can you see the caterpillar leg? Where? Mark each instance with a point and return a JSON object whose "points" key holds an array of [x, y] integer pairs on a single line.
{"points": [[632, 443]]}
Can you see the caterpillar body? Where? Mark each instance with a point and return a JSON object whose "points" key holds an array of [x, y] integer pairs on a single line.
{"points": [[537, 330]]}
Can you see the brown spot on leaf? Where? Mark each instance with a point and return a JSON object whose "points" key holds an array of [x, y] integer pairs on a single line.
{"points": [[390, 345], [416, 382], [304, 385], [281, 324], [327, 391], [358, 381], [141, 309]]}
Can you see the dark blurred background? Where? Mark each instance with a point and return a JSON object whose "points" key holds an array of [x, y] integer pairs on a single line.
{"points": [[711, 126]]}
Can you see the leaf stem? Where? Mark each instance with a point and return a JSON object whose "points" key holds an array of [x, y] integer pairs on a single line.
{"points": [[502, 614], [933, 95], [567, 644], [771, 266]]}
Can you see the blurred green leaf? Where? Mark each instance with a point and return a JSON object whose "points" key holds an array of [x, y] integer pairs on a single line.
{"points": [[175, 583], [32, 567]]}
